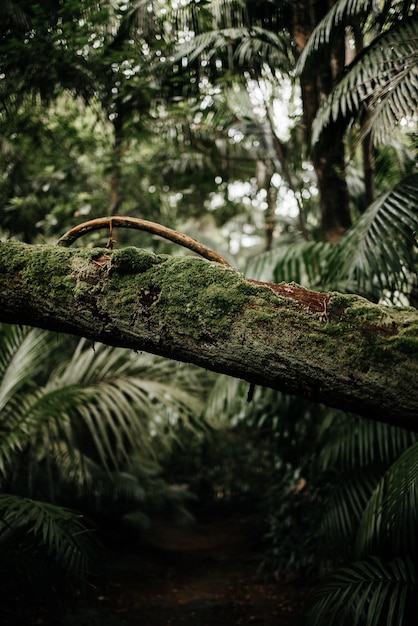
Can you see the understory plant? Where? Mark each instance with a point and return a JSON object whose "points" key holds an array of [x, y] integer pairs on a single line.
{"points": [[369, 525], [82, 427]]}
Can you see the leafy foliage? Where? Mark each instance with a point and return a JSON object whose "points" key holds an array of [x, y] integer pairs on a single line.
{"points": [[383, 78], [165, 101], [389, 520], [354, 454], [99, 396], [41, 537], [83, 432], [368, 592]]}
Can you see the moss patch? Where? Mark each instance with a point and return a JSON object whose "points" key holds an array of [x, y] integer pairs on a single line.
{"points": [[41, 267], [133, 260]]}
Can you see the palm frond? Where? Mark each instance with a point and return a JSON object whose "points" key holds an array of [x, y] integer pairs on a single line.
{"points": [[301, 262], [391, 513], [342, 509], [329, 27], [37, 537], [395, 103], [368, 592], [227, 400], [354, 442], [265, 46], [249, 44], [383, 78], [378, 251], [123, 400], [355, 453], [21, 352]]}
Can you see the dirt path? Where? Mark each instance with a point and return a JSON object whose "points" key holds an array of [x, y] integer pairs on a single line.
{"points": [[199, 576]]}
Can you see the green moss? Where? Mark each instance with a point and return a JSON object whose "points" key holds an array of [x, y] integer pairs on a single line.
{"points": [[48, 267], [208, 295], [14, 257], [407, 344], [133, 260], [342, 300], [255, 315]]}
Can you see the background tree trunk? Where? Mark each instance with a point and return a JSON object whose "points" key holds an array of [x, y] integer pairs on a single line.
{"points": [[337, 349], [329, 157]]}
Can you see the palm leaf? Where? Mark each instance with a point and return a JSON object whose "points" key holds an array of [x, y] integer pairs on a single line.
{"points": [[227, 400], [21, 352], [122, 399], [329, 28], [343, 508], [301, 262], [384, 78], [378, 251], [355, 452], [368, 592], [249, 44], [37, 537], [354, 442], [391, 513]]}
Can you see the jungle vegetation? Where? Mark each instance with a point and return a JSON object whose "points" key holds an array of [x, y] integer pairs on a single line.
{"points": [[281, 134]]}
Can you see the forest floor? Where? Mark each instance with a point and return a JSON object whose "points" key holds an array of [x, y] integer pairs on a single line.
{"points": [[201, 575]]}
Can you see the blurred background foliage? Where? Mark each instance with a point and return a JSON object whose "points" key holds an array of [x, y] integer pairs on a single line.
{"points": [[283, 136]]}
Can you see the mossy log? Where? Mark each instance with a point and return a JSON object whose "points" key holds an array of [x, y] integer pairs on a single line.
{"points": [[340, 350]]}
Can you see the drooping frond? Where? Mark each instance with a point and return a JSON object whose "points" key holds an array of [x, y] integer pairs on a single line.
{"points": [[383, 79], [227, 401], [353, 442], [342, 509], [378, 251], [265, 45], [391, 514], [329, 27], [40, 537], [368, 592], [357, 451], [122, 400], [248, 45], [21, 353]]}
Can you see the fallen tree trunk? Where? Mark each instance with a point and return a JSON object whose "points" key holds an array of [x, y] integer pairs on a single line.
{"points": [[340, 350]]}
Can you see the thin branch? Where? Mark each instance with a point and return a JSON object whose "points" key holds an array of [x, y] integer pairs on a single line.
{"points": [[151, 227]]}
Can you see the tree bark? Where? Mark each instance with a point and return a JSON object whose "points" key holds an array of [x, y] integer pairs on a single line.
{"points": [[340, 350], [328, 159]]}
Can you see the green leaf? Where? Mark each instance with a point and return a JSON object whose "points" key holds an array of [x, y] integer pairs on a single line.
{"points": [[368, 592]]}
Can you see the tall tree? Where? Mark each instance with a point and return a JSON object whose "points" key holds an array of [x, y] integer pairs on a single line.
{"points": [[245, 39], [328, 159]]}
